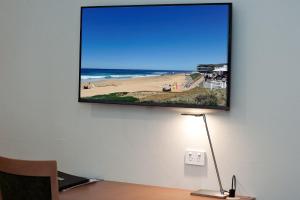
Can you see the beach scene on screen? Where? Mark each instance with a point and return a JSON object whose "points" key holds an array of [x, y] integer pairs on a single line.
{"points": [[155, 55]]}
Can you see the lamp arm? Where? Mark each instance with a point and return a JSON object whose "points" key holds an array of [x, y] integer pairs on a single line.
{"points": [[213, 155]]}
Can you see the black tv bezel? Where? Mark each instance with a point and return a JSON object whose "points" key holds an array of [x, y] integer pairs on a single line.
{"points": [[229, 45]]}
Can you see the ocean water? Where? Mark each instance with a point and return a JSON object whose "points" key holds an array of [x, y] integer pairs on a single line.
{"points": [[104, 74]]}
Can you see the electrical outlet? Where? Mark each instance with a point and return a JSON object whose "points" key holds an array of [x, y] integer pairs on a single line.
{"points": [[193, 157]]}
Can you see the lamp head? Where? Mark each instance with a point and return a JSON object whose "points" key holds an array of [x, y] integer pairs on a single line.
{"points": [[195, 115]]}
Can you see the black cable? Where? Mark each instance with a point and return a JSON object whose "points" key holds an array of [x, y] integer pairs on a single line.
{"points": [[233, 187], [233, 182]]}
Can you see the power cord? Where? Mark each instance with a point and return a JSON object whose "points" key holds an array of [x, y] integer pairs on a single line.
{"points": [[233, 189]]}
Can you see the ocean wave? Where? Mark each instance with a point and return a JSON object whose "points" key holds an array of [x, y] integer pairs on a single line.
{"points": [[130, 76], [88, 77], [126, 76]]}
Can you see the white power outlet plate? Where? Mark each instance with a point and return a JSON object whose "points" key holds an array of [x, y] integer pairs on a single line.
{"points": [[193, 157]]}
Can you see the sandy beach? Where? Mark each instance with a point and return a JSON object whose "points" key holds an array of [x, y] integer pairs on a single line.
{"points": [[184, 88], [141, 84]]}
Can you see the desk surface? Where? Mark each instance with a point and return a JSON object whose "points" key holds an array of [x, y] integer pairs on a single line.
{"points": [[107, 190]]}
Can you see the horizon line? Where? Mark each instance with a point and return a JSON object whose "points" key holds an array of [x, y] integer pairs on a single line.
{"points": [[195, 68], [139, 69]]}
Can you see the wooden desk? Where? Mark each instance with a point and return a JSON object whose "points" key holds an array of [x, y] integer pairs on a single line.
{"points": [[107, 190]]}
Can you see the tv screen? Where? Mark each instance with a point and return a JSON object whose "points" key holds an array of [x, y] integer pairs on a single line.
{"points": [[156, 55]]}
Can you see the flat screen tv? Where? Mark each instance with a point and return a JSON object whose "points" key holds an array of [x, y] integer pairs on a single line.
{"points": [[156, 55]]}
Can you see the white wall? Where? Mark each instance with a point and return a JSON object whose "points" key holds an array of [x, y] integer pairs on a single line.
{"points": [[257, 140]]}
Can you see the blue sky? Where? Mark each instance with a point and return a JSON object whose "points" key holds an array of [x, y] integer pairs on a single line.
{"points": [[165, 38]]}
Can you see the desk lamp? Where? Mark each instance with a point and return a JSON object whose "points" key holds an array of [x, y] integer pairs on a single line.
{"points": [[209, 193]]}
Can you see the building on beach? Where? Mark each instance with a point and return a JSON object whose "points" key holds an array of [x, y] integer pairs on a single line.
{"points": [[215, 75]]}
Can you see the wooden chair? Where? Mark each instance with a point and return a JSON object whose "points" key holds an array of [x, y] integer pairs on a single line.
{"points": [[28, 180]]}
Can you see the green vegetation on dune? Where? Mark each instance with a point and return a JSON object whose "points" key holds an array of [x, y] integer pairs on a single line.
{"points": [[212, 97], [195, 76], [198, 95], [114, 97], [208, 100]]}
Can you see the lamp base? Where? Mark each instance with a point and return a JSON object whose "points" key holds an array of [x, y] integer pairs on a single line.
{"points": [[209, 193]]}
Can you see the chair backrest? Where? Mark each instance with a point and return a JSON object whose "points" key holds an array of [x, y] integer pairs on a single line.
{"points": [[28, 180]]}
